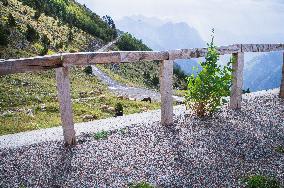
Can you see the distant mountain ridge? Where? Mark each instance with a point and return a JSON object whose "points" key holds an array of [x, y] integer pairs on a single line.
{"points": [[263, 71], [160, 34]]}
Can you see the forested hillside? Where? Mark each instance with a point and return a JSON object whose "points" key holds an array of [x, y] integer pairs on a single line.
{"points": [[75, 14]]}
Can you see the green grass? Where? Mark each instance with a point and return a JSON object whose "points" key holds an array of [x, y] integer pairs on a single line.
{"points": [[280, 149], [102, 135], [20, 93], [141, 185], [259, 181]]}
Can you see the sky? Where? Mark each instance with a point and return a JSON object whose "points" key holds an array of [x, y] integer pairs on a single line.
{"points": [[235, 21]]}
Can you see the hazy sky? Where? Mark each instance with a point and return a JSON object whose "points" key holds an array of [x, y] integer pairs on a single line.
{"points": [[234, 20]]}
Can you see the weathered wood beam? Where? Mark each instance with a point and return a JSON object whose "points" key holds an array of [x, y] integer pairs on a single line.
{"points": [[33, 64], [261, 47], [201, 52], [237, 81], [282, 81], [166, 90], [127, 57], [88, 58], [64, 97], [85, 58]]}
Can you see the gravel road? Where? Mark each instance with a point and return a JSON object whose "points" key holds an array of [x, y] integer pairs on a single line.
{"points": [[216, 151]]}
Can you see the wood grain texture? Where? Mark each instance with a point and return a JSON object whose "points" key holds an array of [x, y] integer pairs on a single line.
{"points": [[33, 64], [166, 90], [64, 97], [237, 81], [281, 95]]}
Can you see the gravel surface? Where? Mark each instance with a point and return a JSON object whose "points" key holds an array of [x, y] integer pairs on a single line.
{"points": [[214, 152]]}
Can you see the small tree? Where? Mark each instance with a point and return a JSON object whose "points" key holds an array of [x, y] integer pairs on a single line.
{"points": [[206, 90], [4, 34], [11, 20], [31, 34]]}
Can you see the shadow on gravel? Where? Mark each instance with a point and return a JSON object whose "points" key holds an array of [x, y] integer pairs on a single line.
{"points": [[218, 151]]}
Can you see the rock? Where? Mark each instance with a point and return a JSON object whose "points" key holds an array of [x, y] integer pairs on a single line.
{"points": [[83, 94], [104, 107], [25, 84], [132, 99], [111, 109], [120, 97], [43, 107], [89, 117], [145, 109], [30, 112], [180, 102], [147, 99]]}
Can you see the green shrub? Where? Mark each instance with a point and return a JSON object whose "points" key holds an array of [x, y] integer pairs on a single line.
{"points": [[206, 90], [11, 20], [37, 15], [258, 181], [45, 40], [141, 185], [43, 51], [88, 70], [4, 34], [32, 34], [101, 135], [279, 149], [119, 109], [129, 43]]}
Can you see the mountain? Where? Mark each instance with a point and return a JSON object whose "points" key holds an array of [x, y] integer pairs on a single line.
{"points": [[163, 35], [263, 71]]}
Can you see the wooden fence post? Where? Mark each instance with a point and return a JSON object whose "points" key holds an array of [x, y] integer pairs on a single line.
{"points": [[64, 97], [237, 81], [166, 90], [281, 95]]}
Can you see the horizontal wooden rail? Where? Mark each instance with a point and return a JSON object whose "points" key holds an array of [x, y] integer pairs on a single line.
{"points": [[86, 58]]}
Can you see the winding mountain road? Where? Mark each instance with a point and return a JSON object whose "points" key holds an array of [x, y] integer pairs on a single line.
{"points": [[122, 89]]}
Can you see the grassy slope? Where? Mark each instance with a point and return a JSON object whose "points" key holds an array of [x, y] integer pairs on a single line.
{"points": [[28, 101]]}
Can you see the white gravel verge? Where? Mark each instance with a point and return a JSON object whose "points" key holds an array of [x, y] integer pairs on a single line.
{"points": [[56, 133]]}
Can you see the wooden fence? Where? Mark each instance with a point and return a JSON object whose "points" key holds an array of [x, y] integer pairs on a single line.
{"points": [[62, 62]]}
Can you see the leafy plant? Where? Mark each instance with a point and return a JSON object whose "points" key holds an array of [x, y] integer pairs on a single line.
{"points": [[258, 181], [141, 185], [279, 149], [119, 109], [101, 135], [4, 34], [206, 90], [11, 20], [32, 34], [88, 70]]}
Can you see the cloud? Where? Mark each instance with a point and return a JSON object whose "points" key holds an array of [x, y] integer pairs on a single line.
{"points": [[237, 20]]}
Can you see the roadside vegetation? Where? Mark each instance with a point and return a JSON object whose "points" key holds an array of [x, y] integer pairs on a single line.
{"points": [[206, 90], [259, 181]]}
